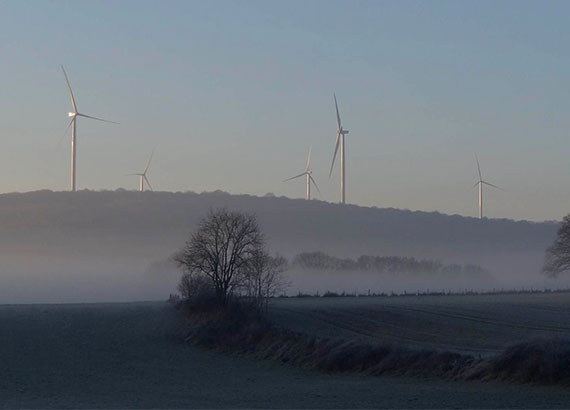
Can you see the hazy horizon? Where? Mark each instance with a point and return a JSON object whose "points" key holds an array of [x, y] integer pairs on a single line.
{"points": [[116, 245], [232, 95]]}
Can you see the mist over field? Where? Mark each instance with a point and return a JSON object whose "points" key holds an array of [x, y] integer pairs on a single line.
{"points": [[115, 245]]}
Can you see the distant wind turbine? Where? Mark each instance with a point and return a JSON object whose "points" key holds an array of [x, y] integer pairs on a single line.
{"points": [[73, 124], [339, 139], [307, 173], [143, 177], [480, 183]]}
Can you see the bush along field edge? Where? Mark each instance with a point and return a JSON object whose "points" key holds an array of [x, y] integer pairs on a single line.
{"points": [[241, 328]]}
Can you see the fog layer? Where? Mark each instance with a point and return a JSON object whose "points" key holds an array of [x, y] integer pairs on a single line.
{"points": [[115, 246]]}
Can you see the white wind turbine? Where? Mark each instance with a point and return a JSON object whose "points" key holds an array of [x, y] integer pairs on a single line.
{"points": [[480, 184], [339, 139], [73, 124], [143, 177], [307, 173]]}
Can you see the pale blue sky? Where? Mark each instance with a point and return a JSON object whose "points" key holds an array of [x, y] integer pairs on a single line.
{"points": [[233, 93]]}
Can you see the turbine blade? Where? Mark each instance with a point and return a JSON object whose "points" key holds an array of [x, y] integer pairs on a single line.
{"points": [[337, 114], [316, 186], [494, 186], [69, 88], [148, 182], [65, 132], [296, 176], [478, 167], [335, 151], [476, 183], [148, 163], [128, 175], [309, 158], [95, 118]]}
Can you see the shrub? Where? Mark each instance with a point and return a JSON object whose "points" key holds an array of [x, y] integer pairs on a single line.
{"points": [[194, 284], [541, 360]]}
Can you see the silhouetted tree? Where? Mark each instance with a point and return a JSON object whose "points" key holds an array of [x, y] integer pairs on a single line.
{"points": [[264, 277], [222, 249], [194, 284], [557, 257]]}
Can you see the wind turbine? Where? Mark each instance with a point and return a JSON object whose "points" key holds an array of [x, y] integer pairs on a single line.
{"points": [[143, 177], [73, 124], [307, 173], [340, 133], [480, 184]]}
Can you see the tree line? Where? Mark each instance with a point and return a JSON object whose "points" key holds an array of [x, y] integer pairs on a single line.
{"points": [[382, 264]]}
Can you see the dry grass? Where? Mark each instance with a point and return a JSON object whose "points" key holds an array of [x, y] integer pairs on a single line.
{"points": [[537, 361]]}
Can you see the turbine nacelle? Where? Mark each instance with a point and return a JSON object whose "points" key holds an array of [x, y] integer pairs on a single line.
{"points": [[71, 114]]}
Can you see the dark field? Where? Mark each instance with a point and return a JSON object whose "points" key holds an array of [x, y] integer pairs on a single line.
{"points": [[133, 355]]}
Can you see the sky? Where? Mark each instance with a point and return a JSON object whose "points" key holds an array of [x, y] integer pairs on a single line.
{"points": [[233, 93]]}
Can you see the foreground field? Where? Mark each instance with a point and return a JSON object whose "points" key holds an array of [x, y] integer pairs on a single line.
{"points": [[133, 355], [478, 324]]}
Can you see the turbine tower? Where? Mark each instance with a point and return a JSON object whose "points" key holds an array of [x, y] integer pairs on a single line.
{"points": [[308, 175], [340, 133], [143, 177], [73, 124], [480, 184]]}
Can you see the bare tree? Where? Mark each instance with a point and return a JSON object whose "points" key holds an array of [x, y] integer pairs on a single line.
{"points": [[194, 284], [264, 278], [222, 249], [557, 259]]}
